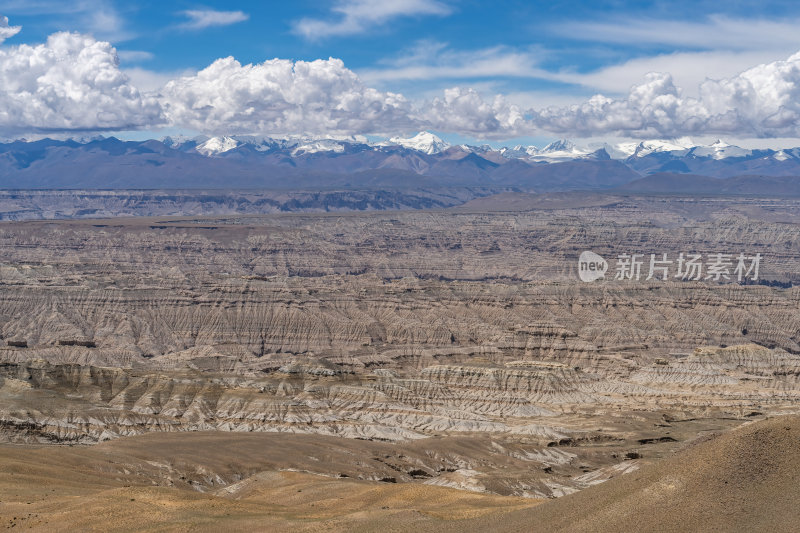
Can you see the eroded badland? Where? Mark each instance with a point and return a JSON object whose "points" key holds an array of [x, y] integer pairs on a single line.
{"points": [[358, 370]]}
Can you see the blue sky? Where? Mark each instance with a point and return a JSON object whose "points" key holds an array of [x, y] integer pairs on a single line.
{"points": [[535, 54]]}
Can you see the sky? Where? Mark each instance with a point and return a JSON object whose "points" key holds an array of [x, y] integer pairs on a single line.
{"points": [[472, 71]]}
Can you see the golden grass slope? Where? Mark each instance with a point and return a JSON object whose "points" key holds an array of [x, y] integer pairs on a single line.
{"points": [[181, 482], [744, 480]]}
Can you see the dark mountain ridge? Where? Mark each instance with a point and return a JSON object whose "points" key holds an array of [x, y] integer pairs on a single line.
{"points": [[227, 163]]}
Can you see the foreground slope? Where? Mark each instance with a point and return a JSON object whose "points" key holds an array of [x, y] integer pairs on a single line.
{"points": [[744, 480], [218, 482]]}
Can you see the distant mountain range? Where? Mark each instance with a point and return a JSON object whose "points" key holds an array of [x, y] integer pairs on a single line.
{"points": [[399, 163]]}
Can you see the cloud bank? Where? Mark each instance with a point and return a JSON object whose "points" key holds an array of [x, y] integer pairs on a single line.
{"points": [[73, 83], [280, 96], [759, 102], [70, 83]]}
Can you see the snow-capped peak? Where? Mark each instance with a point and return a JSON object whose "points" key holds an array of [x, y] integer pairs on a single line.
{"points": [[787, 153], [720, 150], [217, 145], [560, 150], [562, 145], [682, 145], [422, 142], [319, 145], [518, 152]]}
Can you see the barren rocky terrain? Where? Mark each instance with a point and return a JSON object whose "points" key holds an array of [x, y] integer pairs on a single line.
{"points": [[77, 203], [422, 350]]}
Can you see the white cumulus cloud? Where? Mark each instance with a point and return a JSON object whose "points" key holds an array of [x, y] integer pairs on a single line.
{"points": [[73, 82], [322, 97], [465, 111], [763, 101], [281, 96], [7, 31], [70, 83]]}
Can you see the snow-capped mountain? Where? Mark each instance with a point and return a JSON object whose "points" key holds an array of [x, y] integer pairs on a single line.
{"points": [[217, 145], [720, 150], [645, 148], [430, 144], [319, 145], [562, 145], [517, 152], [424, 142], [423, 160], [561, 150]]}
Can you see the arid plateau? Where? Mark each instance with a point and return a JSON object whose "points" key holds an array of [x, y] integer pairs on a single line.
{"points": [[413, 369]]}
